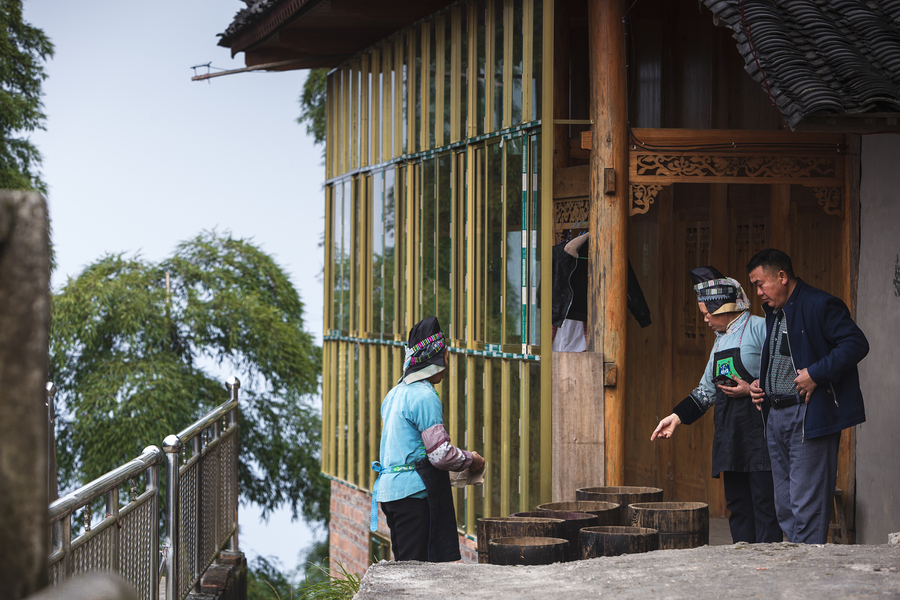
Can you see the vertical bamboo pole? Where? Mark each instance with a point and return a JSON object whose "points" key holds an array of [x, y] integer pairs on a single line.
{"points": [[489, 482], [335, 376], [609, 218], [548, 137]]}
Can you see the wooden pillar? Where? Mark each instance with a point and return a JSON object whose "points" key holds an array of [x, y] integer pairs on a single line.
{"points": [[607, 310], [560, 84]]}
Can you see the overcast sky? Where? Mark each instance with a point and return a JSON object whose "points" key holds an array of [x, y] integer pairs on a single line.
{"points": [[138, 157]]}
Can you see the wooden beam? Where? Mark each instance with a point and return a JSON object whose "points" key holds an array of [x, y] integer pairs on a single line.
{"points": [[560, 84], [607, 310], [572, 182]]}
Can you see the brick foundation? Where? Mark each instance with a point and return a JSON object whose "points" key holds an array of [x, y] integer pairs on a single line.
{"points": [[349, 529]]}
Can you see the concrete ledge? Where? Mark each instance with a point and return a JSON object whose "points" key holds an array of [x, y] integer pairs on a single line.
{"points": [[781, 570]]}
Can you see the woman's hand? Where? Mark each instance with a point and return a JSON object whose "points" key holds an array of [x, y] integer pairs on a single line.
{"points": [[736, 391], [666, 427], [477, 463]]}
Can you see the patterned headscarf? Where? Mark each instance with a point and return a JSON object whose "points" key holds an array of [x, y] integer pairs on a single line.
{"points": [[424, 351], [720, 294]]}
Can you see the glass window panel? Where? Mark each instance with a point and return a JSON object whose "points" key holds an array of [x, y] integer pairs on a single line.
{"points": [[535, 426], [428, 239], [356, 257], [494, 245], [402, 235], [378, 279], [387, 100], [403, 66], [463, 73], [513, 252], [480, 66], [345, 256], [417, 123], [496, 425], [497, 67], [433, 85], [448, 78], [337, 253], [390, 258], [478, 427], [517, 65], [444, 244], [514, 440], [534, 250], [372, 105], [537, 59]]}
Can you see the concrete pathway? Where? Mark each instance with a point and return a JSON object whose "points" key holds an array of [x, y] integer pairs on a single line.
{"points": [[734, 571]]}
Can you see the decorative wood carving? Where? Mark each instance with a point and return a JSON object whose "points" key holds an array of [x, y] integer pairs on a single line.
{"points": [[642, 196], [831, 200], [750, 166], [571, 211]]}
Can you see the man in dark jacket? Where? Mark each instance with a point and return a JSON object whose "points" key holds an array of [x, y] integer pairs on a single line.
{"points": [[808, 374]]}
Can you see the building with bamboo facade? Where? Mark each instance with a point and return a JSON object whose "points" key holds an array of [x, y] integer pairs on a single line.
{"points": [[466, 138]]}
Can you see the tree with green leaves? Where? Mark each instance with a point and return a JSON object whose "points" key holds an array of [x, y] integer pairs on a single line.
{"points": [[132, 347], [312, 104], [23, 50]]}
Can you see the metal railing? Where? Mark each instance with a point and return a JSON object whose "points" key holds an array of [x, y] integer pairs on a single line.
{"points": [[201, 495], [201, 511], [125, 541]]}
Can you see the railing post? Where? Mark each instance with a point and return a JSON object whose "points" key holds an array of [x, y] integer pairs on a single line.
{"points": [[52, 486], [172, 448], [233, 384], [152, 480], [52, 482], [112, 510]]}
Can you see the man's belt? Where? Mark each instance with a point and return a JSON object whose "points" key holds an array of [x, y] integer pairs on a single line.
{"points": [[785, 400]]}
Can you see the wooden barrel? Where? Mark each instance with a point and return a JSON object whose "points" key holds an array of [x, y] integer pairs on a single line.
{"points": [[527, 550], [615, 540], [501, 527], [573, 522], [607, 512], [621, 495], [680, 524]]}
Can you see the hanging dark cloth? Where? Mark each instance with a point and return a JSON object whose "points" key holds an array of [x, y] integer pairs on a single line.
{"points": [[443, 539]]}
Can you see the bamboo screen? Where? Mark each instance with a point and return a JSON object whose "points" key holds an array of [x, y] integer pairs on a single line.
{"points": [[436, 204]]}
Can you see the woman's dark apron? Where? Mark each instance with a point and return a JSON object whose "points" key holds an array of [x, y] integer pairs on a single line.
{"points": [[443, 539], [740, 438]]}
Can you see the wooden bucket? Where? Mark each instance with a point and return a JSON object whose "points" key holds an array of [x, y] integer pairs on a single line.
{"points": [[680, 524], [615, 540], [607, 512], [501, 527], [572, 524], [621, 495], [527, 550]]}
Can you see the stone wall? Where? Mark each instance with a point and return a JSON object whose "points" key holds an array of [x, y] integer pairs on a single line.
{"points": [[349, 529], [878, 315]]}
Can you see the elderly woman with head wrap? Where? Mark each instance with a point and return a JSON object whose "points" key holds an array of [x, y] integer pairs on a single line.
{"points": [[413, 485], [739, 446]]}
